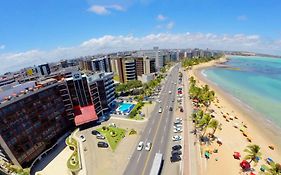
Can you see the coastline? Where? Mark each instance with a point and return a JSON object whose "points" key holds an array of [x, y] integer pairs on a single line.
{"points": [[260, 130]]}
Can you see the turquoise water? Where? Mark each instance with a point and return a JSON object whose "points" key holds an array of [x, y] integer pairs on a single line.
{"points": [[126, 107], [257, 83]]}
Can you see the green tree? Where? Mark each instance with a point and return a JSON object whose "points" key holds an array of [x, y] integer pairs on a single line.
{"points": [[214, 124], [273, 169], [253, 153]]}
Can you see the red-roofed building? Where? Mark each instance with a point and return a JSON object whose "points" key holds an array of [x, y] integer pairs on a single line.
{"points": [[84, 114]]}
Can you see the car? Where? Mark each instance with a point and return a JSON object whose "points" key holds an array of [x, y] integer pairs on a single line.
{"points": [[171, 109], [176, 152], [175, 158], [99, 136], [170, 92], [176, 138], [177, 126], [175, 83], [178, 119], [102, 145], [140, 146], [148, 146], [95, 132], [177, 122], [82, 138], [160, 110], [176, 147], [181, 109], [173, 100], [178, 130]]}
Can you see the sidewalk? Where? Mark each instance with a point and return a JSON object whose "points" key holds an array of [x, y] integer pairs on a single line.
{"points": [[191, 157]]}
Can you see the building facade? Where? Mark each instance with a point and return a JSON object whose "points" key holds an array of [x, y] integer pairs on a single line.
{"points": [[31, 122]]}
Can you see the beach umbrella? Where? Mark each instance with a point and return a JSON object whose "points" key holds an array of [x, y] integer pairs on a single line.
{"points": [[245, 165], [269, 160], [237, 155]]}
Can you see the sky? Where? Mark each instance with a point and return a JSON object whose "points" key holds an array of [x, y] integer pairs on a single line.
{"points": [[34, 32]]}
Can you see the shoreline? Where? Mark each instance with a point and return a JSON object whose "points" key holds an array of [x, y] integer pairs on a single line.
{"points": [[261, 130]]}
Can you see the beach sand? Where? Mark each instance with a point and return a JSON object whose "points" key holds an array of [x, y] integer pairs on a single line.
{"points": [[232, 138]]}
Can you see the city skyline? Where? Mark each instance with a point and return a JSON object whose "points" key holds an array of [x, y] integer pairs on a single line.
{"points": [[33, 32]]}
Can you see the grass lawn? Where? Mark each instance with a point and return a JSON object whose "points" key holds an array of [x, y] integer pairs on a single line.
{"points": [[73, 162], [113, 135], [137, 117]]}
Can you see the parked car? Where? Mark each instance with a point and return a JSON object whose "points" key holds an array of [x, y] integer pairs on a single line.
{"points": [[175, 158], [176, 147], [178, 130], [160, 110], [170, 92], [148, 146], [95, 132], [177, 138], [171, 108], [177, 126], [140, 146], [99, 136], [181, 109], [102, 145], [82, 138], [176, 152], [178, 119]]}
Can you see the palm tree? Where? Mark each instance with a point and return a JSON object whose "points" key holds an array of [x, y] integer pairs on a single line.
{"points": [[274, 169], [254, 153], [214, 125]]}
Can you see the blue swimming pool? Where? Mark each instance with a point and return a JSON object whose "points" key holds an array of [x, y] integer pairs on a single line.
{"points": [[125, 107]]}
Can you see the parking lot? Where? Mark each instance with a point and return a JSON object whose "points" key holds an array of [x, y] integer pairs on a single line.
{"points": [[104, 160]]}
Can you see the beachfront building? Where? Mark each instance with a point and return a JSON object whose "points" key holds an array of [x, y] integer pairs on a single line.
{"points": [[36, 113], [32, 119], [105, 91]]}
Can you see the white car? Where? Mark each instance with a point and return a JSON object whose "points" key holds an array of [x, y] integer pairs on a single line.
{"points": [[140, 146], [148, 146], [170, 92], [177, 138], [178, 119], [178, 130], [177, 126], [82, 138], [160, 110]]}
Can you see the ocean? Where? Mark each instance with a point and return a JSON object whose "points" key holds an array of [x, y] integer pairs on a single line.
{"points": [[255, 81]]}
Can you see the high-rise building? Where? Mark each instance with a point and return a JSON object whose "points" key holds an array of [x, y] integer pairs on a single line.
{"points": [[101, 64], [105, 88], [139, 66], [35, 114], [43, 69], [31, 121], [125, 68]]}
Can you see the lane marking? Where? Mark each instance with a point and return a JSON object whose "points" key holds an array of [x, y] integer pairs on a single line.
{"points": [[153, 141], [139, 157], [149, 131], [162, 139]]}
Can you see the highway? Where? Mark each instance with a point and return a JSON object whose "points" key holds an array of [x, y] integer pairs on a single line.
{"points": [[157, 129]]}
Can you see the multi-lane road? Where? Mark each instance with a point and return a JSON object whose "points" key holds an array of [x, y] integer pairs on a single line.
{"points": [[157, 130]]}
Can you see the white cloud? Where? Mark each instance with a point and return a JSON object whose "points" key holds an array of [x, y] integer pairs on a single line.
{"points": [[2, 46], [105, 9], [242, 18], [109, 43], [161, 17], [170, 25]]}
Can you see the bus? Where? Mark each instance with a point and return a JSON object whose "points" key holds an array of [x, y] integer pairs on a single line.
{"points": [[157, 164]]}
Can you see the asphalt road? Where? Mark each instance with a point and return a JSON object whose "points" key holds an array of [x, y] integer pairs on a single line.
{"points": [[157, 129]]}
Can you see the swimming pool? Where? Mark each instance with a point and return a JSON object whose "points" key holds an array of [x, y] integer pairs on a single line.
{"points": [[125, 107]]}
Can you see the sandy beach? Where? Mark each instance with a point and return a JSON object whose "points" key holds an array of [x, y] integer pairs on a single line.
{"points": [[233, 115]]}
